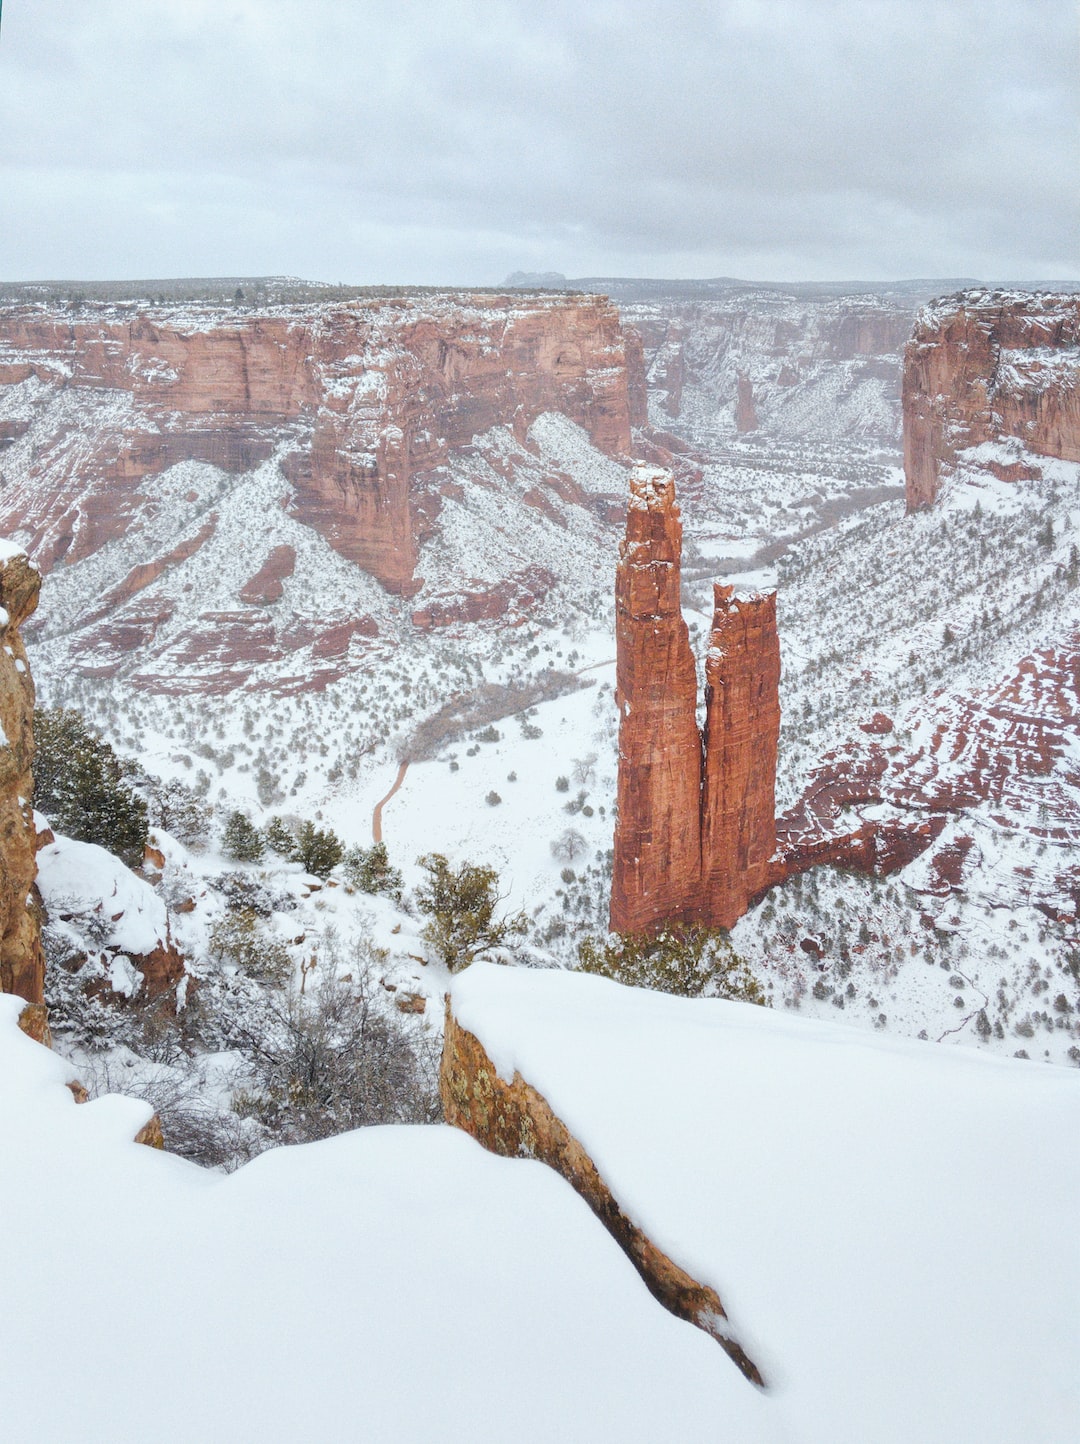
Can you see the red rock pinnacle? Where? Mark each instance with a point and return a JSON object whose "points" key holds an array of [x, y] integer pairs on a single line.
{"points": [[695, 829]]}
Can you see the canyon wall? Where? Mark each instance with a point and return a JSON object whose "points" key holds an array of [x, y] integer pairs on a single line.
{"points": [[984, 366], [695, 829], [788, 366], [360, 403], [22, 962]]}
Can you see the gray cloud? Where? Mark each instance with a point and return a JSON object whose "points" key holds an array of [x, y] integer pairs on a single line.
{"points": [[425, 141]]}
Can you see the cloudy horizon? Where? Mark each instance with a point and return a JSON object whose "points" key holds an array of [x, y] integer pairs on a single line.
{"points": [[801, 140]]}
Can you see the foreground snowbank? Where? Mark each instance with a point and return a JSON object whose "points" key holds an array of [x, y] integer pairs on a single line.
{"points": [[890, 1225], [390, 1284]]}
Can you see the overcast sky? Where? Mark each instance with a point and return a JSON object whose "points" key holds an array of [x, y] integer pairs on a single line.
{"points": [[442, 141]]}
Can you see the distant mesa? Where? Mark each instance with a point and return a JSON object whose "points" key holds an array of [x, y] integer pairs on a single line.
{"points": [[536, 281]]}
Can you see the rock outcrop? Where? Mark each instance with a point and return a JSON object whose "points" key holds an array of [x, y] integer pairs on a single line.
{"points": [[695, 828], [515, 1120], [362, 402], [1003, 750], [22, 962], [986, 366]]}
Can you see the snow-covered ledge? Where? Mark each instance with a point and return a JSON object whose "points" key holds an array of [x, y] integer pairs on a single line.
{"points": [[866, 1207]]}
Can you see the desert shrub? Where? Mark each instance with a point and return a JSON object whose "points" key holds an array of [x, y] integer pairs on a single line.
{"points": [[240, 892], [318, 849], [239, 940], [368, 870], [584, 769], [692, 961], [242, 840], [79, 786], [335, 1059], [493, 799], [193, 1125], [568, 845], [460, 904], [562, 784]]}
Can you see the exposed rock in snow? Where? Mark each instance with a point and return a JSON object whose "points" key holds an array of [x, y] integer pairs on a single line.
{"points": [[93, 894]]}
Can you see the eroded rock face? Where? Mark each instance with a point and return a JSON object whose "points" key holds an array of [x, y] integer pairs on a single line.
{"points": [[514, 1120], [985, 366], [1003, 748], [22, 962], [695, 831], [775, 362], [364, 401]]}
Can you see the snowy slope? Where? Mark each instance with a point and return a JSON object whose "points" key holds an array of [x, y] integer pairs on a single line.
{"points": [[869, 1211], [393, 1284]]}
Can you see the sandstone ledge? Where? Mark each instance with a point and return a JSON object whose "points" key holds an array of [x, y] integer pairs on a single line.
{"points": [[514, 1120]]}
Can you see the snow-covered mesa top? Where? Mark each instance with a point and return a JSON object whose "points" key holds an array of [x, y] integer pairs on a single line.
{"points": [[889, 1224], [9, 550]]}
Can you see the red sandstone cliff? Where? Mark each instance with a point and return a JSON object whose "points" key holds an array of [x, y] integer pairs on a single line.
{"points": [[988, 365], [362, 401], [695, 828], [22, 963]]}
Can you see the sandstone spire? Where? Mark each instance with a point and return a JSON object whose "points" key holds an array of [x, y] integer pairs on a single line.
{"points": [[657, 837], [695, 830], [742, 730]]}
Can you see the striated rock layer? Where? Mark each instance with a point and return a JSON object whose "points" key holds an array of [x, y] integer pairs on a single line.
{"points": [[360, 402], [984, 366], [22, 962], [695, 830]]}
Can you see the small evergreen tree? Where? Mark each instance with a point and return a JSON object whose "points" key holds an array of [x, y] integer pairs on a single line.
{"points": [[280, 839], [176, 809], [368, 870], [461, 903], [242, 840], [318, 849], [79, 786]]}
